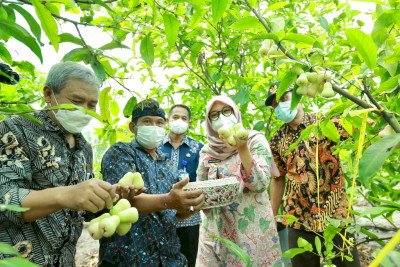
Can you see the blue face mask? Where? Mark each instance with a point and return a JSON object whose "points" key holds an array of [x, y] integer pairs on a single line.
{"points": [[284, 113]]}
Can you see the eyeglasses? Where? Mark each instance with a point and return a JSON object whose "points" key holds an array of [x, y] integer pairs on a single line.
{"points": [[226, 111]]}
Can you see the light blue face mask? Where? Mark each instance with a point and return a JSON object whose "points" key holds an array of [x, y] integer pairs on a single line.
{"points": [[284, 113]]}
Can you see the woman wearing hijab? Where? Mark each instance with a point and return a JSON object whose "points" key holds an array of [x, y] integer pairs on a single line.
{"points": [[249, 221]]}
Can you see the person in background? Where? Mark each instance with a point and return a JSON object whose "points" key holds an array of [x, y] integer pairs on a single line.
{"points": [[46, 166], [183, 153], [152, 240], [248, 222], [301, 196]]}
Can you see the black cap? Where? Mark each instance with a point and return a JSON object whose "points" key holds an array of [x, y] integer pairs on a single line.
{"points": [[272, 93], [147, 107]]}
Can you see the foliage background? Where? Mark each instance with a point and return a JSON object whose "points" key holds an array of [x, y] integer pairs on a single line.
{"points": [[189, 50]]}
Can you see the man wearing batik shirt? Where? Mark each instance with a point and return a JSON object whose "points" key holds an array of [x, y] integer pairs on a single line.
{"points": [[46, 167], [299, 166], [183, 153], [152, 240]]}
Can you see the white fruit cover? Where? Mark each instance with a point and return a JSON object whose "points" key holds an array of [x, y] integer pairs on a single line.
{"points": [[217, 193]]}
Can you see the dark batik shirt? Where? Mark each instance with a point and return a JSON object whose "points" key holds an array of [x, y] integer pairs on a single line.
{"points": [[152, 240], [301, 196], [36, 156], [188, 151]]}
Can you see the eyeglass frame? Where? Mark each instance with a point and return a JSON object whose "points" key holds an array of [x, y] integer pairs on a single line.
{"points": [[219, 112]]}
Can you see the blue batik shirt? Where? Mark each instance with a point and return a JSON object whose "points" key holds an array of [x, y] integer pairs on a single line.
{"points": [[152, 240], [186, 155]]}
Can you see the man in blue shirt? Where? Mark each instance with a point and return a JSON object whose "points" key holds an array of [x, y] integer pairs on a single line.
{"points": [[152, 240], [184, 155]]}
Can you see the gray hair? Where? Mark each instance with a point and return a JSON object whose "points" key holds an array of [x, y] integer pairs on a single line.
{"points": [[61, 73]]}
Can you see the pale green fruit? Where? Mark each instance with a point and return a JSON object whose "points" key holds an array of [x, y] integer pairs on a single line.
{"points": [[236, 127], [312, 77], [126, 180], [320, 87], [137, 180], [388, 130], [324, 77], [312, 89], [101, 217], [231, 140], [328, 91], [95, 231], [266, 44], [109, 225], [297, 69], [242, 133], [302, 90], [263, 51], [121, 205], [123, 228], [130, 215], [275, 53], [302, 80], [224, 132]]}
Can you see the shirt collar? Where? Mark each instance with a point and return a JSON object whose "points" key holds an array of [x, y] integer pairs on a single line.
{"points": [[48, 123], [167, 139]]}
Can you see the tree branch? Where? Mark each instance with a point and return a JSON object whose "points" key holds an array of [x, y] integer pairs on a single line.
{"points": [[366, 240], [269, 30], [388, 116]]}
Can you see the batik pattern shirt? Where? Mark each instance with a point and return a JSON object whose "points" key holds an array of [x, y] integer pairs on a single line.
{"points": [[301, 194], [36, 156], [188, 151], [248, 222], [152, 240]]}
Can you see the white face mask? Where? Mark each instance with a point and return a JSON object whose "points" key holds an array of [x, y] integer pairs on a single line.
{"points": [[150, 136], [73, 121], [178, 126], [223, 121]]}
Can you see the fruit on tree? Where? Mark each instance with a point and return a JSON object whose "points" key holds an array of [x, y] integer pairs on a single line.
{"points": [[328, 92]]}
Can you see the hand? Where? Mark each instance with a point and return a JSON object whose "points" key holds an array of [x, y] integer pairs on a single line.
{"points": [[241, 140], [182, 200], [92, 195], [128, 192]]}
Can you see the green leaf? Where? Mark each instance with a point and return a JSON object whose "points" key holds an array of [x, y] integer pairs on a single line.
{"points": [[246, 23], [284, 85], [364, 45], [375, 156], [15, 208], [388, 85], [48, 23], [376, 211], [329, 129], [276, 6], [238, 251], [130, 106], [301, 242], [277, 24], [290, 253], [4, 54], [372, 236], [259, 126], [33, 25], [16, 261], [67, 37], [98, 70], [318, 244], [104, 102], [78, 54], [147, 50], [388, 202], [386, 19], [324, 23], [171, 25], [218, 8], [304, 135], [300, 38], [7, 249], [113, 45], [21, 35], [295, 99], [242, 96]]}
